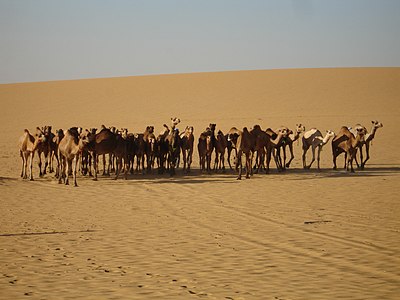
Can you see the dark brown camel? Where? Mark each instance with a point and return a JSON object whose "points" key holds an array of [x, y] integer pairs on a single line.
{"points": [[221, 144]]}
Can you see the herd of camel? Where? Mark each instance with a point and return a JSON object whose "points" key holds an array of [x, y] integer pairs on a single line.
{"points": [[76, 150]]}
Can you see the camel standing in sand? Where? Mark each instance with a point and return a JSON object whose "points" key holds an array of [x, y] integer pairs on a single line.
{"points": [[367, 141], [346, 142], [204, 147], [244, 145], [162, 149], [69, 150], [221, 144], [107, 142], [273, 142], [288, 141], [174, 149], [187, 141], [27, 146], [314, 139], [44, 147]]}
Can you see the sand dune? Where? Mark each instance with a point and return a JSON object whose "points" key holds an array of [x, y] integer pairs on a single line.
{"points": [[293, 235]]}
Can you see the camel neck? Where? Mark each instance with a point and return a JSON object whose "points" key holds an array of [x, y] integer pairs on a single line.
{"points": [[326, 138]]}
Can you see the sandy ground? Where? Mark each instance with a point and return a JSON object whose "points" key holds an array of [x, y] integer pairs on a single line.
{"points": [[293, 235]]}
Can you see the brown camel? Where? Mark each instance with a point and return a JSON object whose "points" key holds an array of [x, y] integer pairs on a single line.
{"points": [[288, 141], [346, 142], [174, 149], [187, 141], [366, 142], [27, 146], [273, 142], [107, 142], [205, 148], [162, 149], [231, 138], [44, 147], [56, 141], [244, 145], [314, 139], [221, 144], [69, 150]]}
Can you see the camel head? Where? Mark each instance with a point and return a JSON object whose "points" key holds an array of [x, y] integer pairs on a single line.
{"points": [[300, 128], [377, 124], [150, 129], [175, 121], [212, 126], [40, 135], [330, 133]]}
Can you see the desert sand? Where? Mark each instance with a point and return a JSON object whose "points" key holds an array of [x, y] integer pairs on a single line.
{"points": [[301, 234]]}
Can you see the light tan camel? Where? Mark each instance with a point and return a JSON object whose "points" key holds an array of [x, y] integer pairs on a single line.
{"points": [[313, 138], [44, 147], [346, 142], [27, 146], [69, 151], [187, 141]]}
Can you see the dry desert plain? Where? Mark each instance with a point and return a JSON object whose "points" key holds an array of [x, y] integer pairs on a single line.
{"points": [[301, 234]]}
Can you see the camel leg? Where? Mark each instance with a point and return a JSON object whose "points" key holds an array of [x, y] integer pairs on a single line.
{"points": [[249, 162], [291, 155], [23, 163], [32, 154], [345, 161], [334, 156], [304, 157], [361, 159], [229, 158], [46, 161], [319, 156], [69, 168], [74, 169], [313, 158], [268, 160], [350, 161], [239, 165], [118, 166], [95, 165], [367, 156]]}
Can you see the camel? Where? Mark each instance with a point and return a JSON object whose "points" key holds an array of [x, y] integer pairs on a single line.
{"points": [[107, 142], [346, 142], [69, 150], [44, 147], [221, 144], [174, 149], [86, 157], [205, 148], [56, 141], [288, 141], [244, 145], [273, 142], [187, 141], [27, 147], [162, 149], [314, 139], [367, 141], [231, 138], [149, 146]]}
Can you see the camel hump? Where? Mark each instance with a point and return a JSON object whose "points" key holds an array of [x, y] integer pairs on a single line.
{"points": [[311, 132]]}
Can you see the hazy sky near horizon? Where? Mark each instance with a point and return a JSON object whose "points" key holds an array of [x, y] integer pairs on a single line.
{"points": [[54, 39]]}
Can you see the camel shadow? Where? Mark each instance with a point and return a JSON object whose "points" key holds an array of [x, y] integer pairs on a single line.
{"points": [[378, 171]]}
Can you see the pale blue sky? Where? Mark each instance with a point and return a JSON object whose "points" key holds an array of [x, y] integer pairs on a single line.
{"points": [[71, 39]]}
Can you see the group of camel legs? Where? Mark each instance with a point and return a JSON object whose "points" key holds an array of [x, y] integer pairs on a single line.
{"points": [[77, 149]]}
